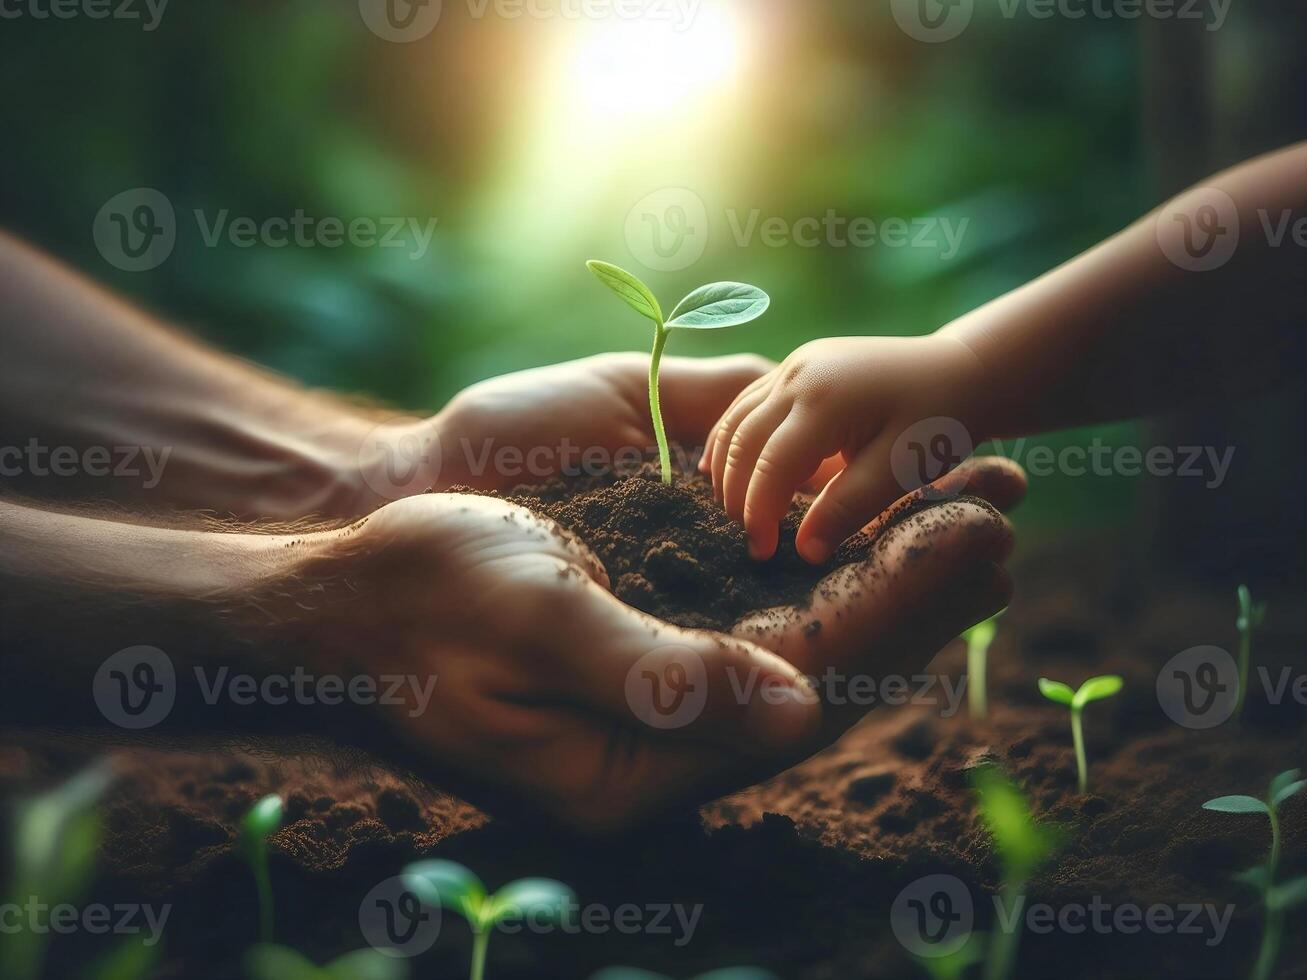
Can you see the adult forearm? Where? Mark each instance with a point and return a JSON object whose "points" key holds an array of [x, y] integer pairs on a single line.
{"points": [[97, 400], [1139, 324]]}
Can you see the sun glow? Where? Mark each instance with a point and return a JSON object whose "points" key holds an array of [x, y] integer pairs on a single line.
{"points": [[649, 66]]}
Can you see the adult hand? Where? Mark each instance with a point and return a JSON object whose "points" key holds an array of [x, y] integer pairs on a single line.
{"points": [[577, 416]]}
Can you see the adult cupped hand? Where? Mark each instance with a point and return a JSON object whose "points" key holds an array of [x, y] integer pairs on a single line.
{"points": [[556, 697]]}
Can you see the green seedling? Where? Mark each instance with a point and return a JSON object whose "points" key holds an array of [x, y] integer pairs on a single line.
{"points": [[1250, 617], [711, 307], [978, 639], [1022, 845], [447, 885], [55, 839], [953, 965], [1094, 689], [263, 820], [1278, 899], [729, 973], [132, 959], [267, 961]]}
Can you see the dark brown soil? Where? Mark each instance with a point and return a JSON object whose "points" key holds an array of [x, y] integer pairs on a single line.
{"points": [[672, 551], [797, 874]]}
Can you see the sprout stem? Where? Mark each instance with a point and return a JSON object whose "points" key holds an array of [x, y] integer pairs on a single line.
{"points": [[1269, 951], [655, 410], [1003, 950], [1078, 737], [263, 886], [480, 940], [1245, 656], [976, 697]]}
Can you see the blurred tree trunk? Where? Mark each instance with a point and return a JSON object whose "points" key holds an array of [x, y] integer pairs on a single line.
{"points": [[1210, 100]]}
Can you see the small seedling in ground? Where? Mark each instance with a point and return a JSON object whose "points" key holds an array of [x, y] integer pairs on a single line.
{"points": [[1278, 899], [267, 961], [263, 820], [978, 639], [711, 307], [1250, 617], [1022, 845], [1094, 689], [447, 885]]}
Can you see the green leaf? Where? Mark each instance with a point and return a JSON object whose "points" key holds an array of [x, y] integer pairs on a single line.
{"points": [[1236, 804], [1056, 691], [447, 884], [1281, 781], [1021, 843], [629, 287], [540, 900], [719, 304], [1255, 877], [268, 961], [1097, 688], [1287, 896], [263, 820], [627, 973], [1291, 790], [367, 964], [737, 973]]}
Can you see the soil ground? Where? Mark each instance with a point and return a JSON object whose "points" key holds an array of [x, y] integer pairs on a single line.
{"points": [[798, 874]]}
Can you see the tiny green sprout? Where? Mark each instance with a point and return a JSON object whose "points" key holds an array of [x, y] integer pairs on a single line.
{"points": [[1250, 617], [1022, 846], [1278, 899], [263, 820], [978, 639], [447, 885], [1094, 689], [711, 307], [267, 961]]}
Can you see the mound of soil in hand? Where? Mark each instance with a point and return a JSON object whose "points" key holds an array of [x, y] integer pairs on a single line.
{"points": [[673, 552]]}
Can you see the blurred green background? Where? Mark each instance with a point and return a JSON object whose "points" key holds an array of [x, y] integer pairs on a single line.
{"points": [[530, 139]]}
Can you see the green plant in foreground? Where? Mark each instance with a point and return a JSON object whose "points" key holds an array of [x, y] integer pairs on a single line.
{"points": [[1022, 844], [1094, 689], [978, 639], [55, 838], [267, 961], [263, 820], [1278, 899], [1250, 617], [447, 885], [711, 307]]}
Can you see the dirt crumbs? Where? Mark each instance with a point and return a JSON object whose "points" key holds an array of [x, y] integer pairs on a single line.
{"points": [[672, 551]]}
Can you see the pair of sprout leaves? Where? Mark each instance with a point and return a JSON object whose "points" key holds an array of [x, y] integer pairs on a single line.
{"points": [[1262, 877], [1094, 689], [711, 307]]}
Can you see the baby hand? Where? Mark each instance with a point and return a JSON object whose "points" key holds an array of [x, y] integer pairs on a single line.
{"points": [[835, 401]]}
